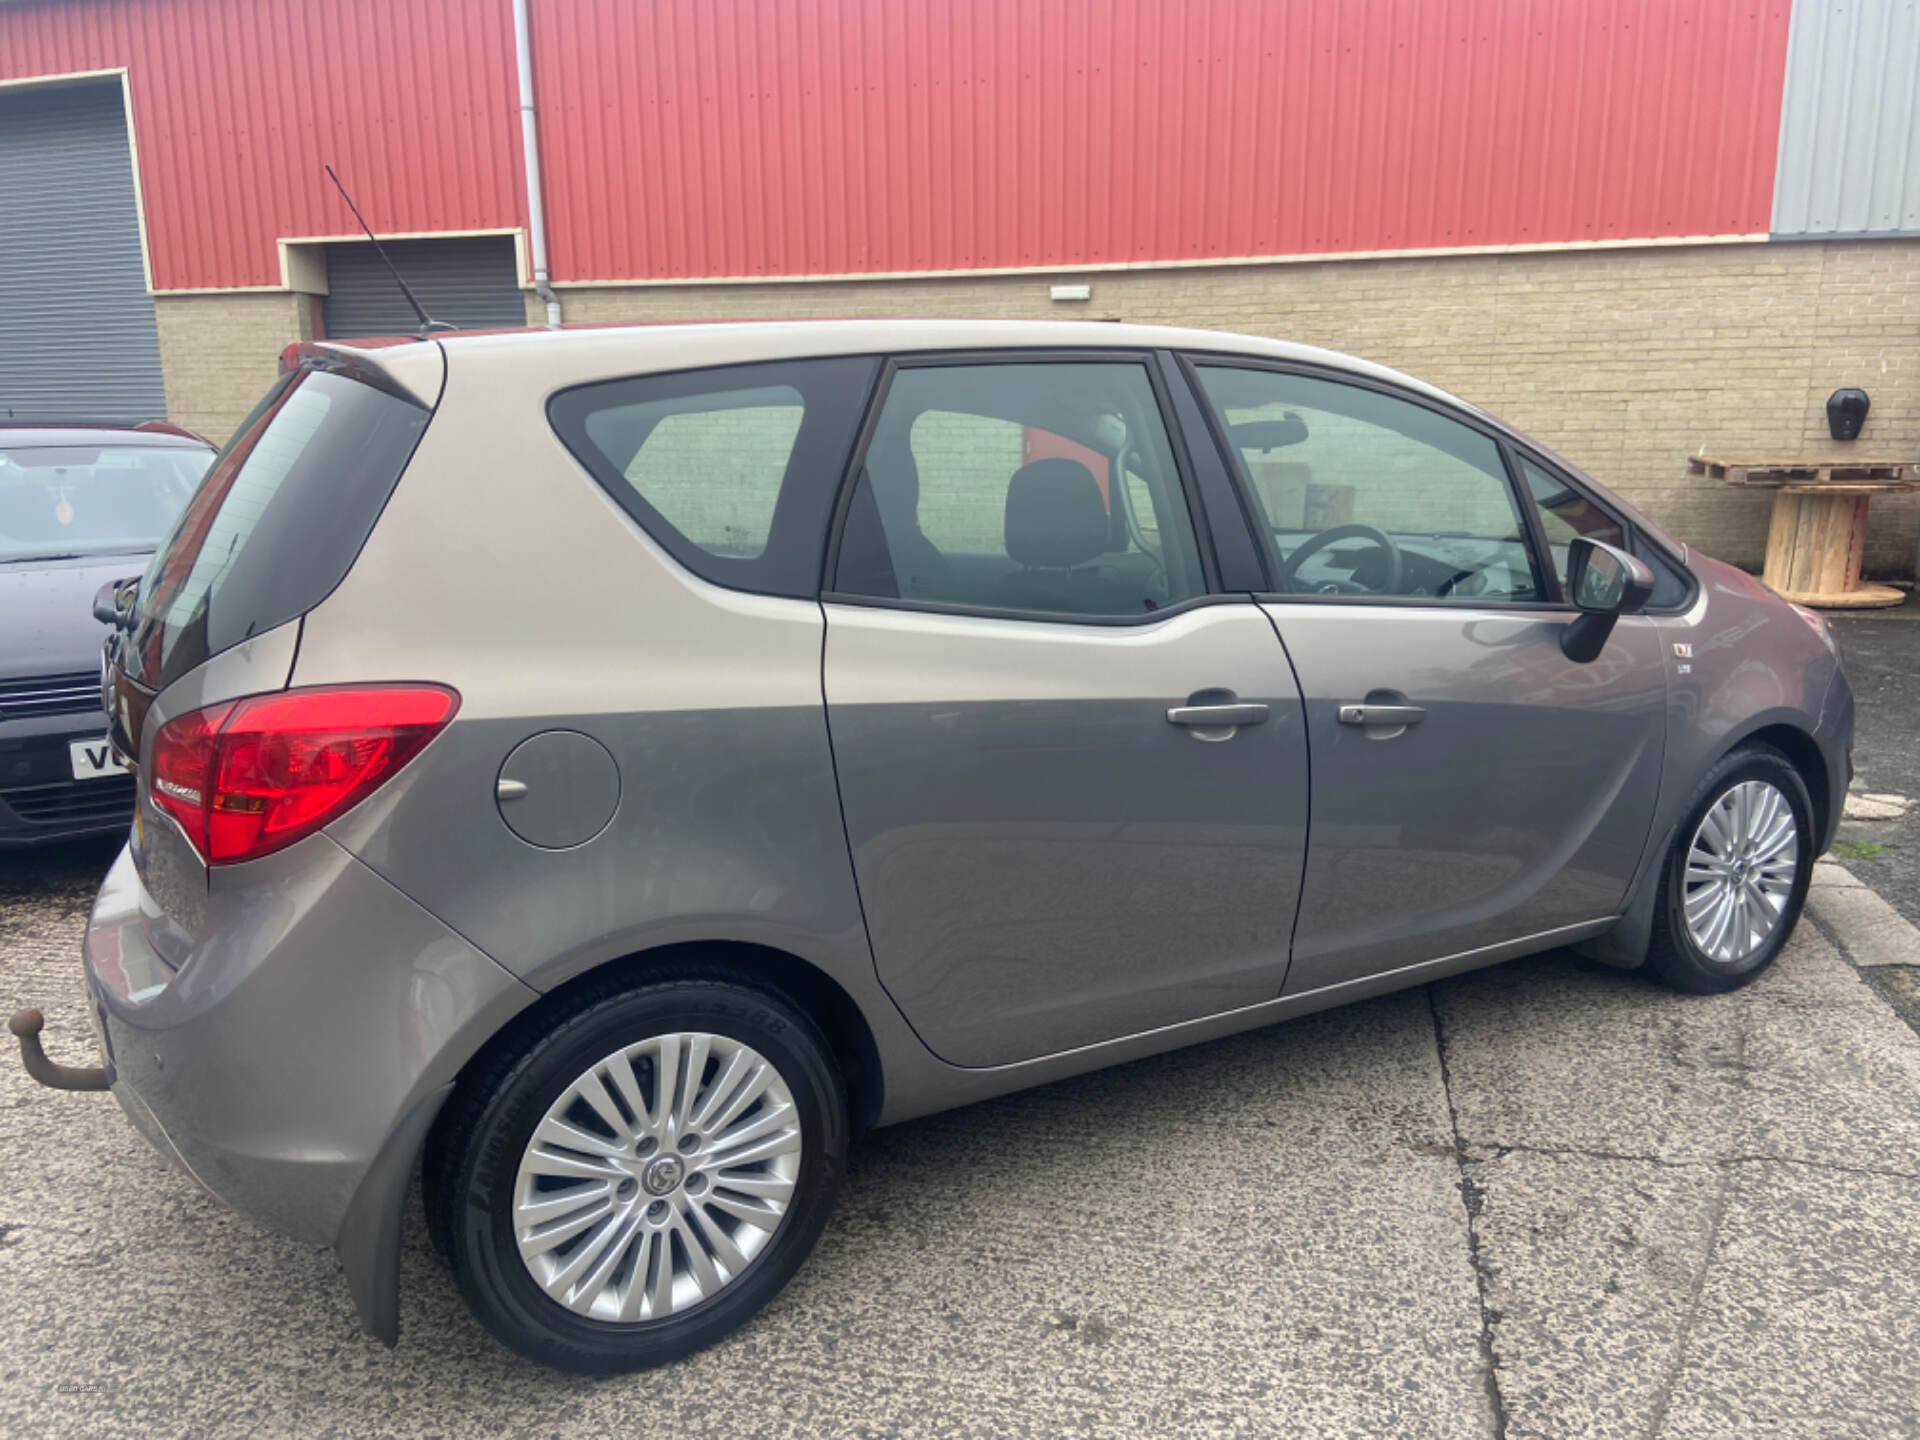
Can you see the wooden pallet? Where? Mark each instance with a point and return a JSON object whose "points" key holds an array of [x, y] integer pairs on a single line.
{"points": [[1802, 471]]}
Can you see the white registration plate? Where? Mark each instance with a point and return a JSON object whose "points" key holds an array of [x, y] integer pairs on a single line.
{"points": [[93, 759]]}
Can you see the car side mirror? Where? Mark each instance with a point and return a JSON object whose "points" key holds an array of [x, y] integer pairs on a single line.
{"points": [[110, 607], [1603, 583]]}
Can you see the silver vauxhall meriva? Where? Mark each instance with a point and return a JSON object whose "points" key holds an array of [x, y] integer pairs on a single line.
{"points": [[612, 769]]}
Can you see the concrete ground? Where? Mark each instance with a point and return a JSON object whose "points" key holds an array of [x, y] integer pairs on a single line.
{"points": [[1544, 1200]]}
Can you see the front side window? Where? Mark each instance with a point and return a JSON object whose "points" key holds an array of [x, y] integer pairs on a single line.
{"points": [[1566, 515], [1046, 487], [732, 470], [1364, 494]]}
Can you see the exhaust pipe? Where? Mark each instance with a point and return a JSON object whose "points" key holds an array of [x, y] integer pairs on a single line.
{"points": [[26, 1026]]}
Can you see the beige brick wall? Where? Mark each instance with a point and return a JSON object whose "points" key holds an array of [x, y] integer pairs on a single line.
{"points": [[1626, 361], [219, 353]]}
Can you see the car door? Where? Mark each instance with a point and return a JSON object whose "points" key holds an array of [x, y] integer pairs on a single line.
{"points": [[1073, 773], [1472, 786]]}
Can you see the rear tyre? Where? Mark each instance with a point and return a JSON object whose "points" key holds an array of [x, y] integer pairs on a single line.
{"points": [[1735, 878], [634, 1182]]}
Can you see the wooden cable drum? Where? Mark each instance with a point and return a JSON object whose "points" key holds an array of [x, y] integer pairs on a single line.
{"points": [[1815, 542]]}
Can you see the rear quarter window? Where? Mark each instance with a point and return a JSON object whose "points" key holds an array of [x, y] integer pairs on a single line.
{"points": [[277, 521], [733, 470]]}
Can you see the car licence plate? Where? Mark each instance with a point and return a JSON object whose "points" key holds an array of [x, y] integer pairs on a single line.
{"points": [[93, 759]]}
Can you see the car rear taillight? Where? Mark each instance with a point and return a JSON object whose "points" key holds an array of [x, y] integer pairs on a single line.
{"points": [[248, 777]]}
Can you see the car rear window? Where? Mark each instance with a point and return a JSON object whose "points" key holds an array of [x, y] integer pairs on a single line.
{"points": [[277, 521], [733, 470]]}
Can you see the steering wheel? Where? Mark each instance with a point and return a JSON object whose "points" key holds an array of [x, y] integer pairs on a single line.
{"points": [[1314, 544]]}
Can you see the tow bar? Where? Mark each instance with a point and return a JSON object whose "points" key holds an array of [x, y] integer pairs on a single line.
{"points": [[26, 1026]]}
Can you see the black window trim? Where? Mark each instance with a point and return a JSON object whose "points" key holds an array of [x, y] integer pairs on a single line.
{"points": [[1003, 355], [1237, 520], [1544, 572], [1510, 445], [1048, 617]]}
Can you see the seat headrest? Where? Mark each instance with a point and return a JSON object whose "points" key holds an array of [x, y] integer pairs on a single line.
{"points": [[1055, 516]]}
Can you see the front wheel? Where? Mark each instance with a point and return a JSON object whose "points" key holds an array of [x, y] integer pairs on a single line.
{"points": [[637, 1181], [1736, 876]]}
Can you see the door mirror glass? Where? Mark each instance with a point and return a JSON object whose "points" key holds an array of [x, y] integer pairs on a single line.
{"points": [[1605, 584], [1603, 580]]}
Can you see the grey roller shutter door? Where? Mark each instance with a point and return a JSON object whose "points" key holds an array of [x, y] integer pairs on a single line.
{"points": [[77, 336], [470, 281]]}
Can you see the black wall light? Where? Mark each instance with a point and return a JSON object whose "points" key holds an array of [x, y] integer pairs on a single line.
{"points": [[1846, 413]]}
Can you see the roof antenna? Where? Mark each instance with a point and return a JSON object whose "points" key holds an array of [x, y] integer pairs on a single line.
{"points": [[427, 323]]}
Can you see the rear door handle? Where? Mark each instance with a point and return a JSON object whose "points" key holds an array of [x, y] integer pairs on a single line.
{"points": [[1381, 714], [1216, 715]]}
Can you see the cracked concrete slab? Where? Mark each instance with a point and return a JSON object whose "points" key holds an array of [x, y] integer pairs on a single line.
{"points": [[1557, 1053], [1806, 1063], [1832, 1076], [1729, 1300], [1652, 1195], [1591, 1267], [1808, 1323]]}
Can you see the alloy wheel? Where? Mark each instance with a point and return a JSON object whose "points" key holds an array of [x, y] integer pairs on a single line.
{"points": [[1741, 868], [656, 1177]]}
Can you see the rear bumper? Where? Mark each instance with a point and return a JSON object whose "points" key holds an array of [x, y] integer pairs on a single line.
{"points": [[319, 1015]]}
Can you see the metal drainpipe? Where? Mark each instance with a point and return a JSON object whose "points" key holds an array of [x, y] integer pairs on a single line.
{"points": [[530, 147]]}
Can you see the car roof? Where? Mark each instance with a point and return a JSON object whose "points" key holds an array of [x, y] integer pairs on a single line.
{"points": [[24, 437], [578, 351]]}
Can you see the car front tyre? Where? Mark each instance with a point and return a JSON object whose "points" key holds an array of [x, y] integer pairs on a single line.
{"points": [[1736, 875], [636, 1180]]}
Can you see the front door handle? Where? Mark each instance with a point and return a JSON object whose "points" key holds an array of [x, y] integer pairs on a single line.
{"points": [[1216, 715], [1381, 714]]}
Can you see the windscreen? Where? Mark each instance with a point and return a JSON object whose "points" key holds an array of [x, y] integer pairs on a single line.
{"points": [[276, 523], [76, 501]]}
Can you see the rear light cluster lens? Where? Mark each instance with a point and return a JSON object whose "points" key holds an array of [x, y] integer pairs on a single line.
{"points": [[249, 777]]}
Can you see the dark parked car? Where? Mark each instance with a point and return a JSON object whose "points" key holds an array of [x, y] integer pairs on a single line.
{"points": [[78, 507]]}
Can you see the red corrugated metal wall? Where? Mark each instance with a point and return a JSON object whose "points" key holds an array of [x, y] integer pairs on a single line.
{"points": [[769, 137], [688, 138], [238, 103]]}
